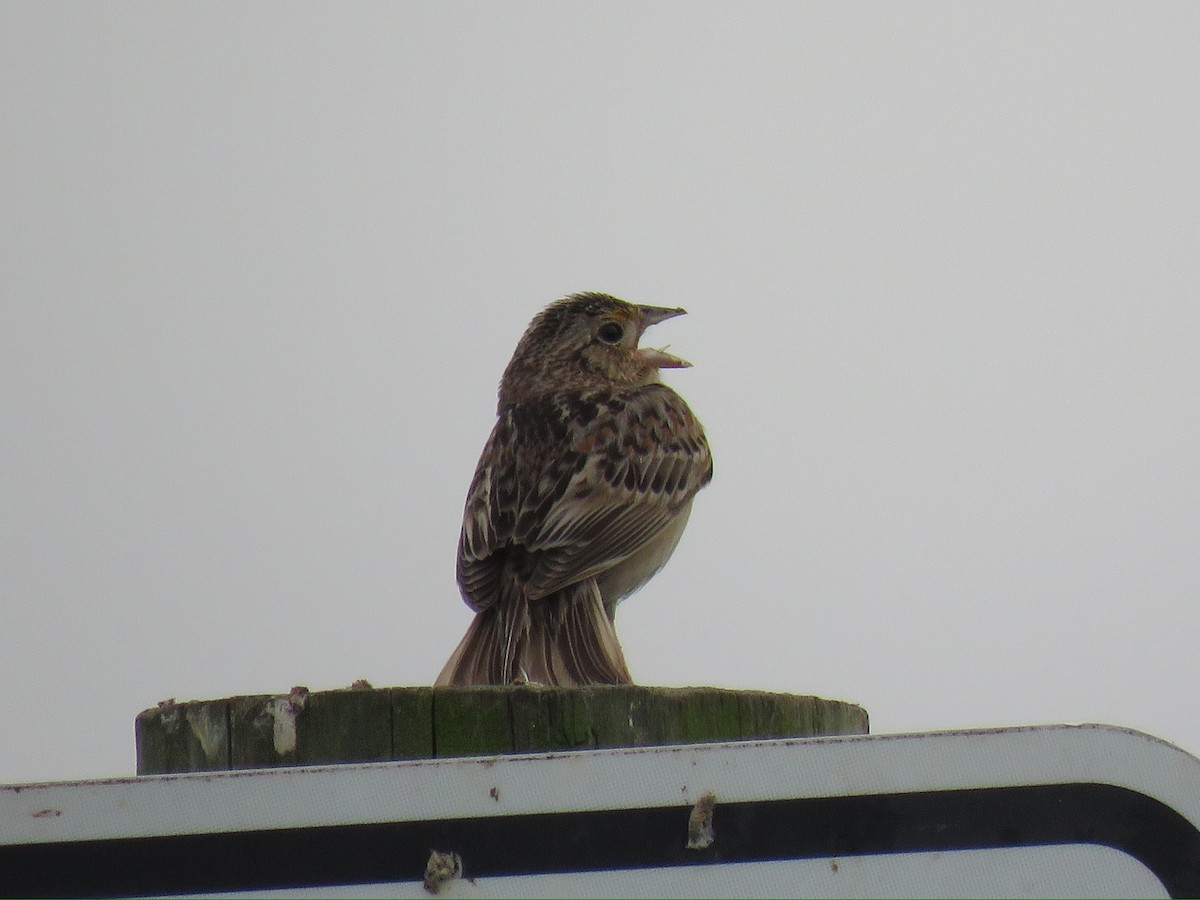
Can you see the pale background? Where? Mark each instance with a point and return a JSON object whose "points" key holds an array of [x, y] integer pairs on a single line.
{"points": [[262, 266]]}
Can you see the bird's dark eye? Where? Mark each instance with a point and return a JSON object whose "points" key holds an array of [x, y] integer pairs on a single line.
{"points": [[611, 333]]}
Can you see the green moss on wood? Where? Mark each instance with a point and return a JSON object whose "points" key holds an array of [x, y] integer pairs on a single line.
{"points": [[365, 725], [546, 720], [412, 723], [347, 726], [471, 721]]}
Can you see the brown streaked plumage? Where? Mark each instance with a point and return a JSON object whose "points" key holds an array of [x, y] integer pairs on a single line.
{"points": [[580, 496]]}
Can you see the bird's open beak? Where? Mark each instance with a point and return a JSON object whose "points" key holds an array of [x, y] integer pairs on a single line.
{"points": [[652, 315], [660, 359]]}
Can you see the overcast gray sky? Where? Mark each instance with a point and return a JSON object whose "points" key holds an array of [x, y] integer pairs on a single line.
{"points": [[262, 266]]}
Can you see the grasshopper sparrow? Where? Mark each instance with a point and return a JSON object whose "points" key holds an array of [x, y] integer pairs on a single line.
{"points": [[579, 498]]}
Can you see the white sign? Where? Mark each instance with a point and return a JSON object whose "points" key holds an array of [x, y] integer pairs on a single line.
{"points": [[1048, 811]]}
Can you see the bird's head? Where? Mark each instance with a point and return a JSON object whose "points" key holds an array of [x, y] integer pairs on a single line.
{"points": [[586, 341]]}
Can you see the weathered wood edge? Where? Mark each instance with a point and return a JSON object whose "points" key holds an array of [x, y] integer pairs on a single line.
{"points": [[364, 724]]}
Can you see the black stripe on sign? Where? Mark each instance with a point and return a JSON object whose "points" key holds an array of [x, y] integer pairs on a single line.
{"points": [[1028, 816]]}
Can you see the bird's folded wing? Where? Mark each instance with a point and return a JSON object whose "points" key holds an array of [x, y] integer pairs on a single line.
{"points": [[631, 473], [579, 493], [488, 517]]}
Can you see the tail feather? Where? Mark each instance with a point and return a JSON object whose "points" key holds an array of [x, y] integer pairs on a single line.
{"points": [[564, 639], [489, 651]]}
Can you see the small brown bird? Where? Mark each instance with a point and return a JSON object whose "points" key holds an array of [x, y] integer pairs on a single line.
{"points": [[579, 498]]}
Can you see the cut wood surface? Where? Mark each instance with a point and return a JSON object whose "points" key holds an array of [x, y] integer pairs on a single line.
{"points": [[365, 724]]}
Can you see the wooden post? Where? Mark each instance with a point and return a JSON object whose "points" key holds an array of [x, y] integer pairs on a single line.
{"points": [[364, 724]]}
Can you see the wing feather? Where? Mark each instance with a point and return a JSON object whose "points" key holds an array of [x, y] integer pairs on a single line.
{"points": [[578, 484]]}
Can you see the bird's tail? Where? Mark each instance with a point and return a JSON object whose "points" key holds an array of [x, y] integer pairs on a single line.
{"points": [[564, 639]]}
